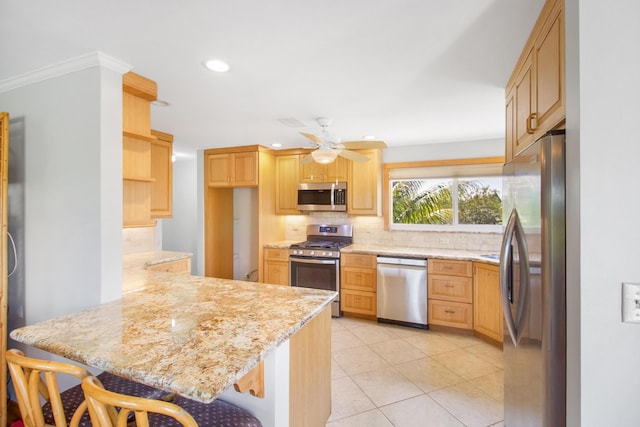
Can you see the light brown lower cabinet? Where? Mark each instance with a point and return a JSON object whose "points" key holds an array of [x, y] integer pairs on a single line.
{"points": [[450, 293], [276, 266], [486, 300], [358, 278], [178, 266]]}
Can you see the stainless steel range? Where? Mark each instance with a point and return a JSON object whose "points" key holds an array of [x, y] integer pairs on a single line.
{"points": [[315, 263]]}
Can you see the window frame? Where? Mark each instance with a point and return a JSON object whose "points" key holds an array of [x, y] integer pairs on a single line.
{"points": [[461, 163]]}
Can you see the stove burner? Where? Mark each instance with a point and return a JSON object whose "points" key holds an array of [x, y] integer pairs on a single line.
{"points": [[323, 241], [311, 244]]}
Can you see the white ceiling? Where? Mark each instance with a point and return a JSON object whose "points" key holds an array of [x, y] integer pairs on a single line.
{"points": [[407, 71]]}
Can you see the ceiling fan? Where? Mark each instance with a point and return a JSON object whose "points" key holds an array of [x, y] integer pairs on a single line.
{"points": [[328, 147]]}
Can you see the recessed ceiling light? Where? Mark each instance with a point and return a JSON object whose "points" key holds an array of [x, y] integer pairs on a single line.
{"points": [[217, 65], [276, 145], [369, 137]]}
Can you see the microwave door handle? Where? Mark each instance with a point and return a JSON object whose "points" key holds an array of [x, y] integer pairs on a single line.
{"points": [[333, 192]]}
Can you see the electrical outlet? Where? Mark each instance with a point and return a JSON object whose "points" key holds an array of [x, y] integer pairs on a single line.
{"points": [[631, 302], [444, 241]]}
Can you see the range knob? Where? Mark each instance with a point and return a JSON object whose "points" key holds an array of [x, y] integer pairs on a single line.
{"points": [[325, 254], [312, 253]]}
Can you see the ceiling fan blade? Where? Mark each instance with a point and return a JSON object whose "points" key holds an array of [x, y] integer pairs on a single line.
{"points": [[306, 159], [363, 145], [313, 138], [352, 155]]}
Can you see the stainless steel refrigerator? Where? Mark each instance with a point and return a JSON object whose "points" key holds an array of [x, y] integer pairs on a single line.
{"points": [[532, 285]]}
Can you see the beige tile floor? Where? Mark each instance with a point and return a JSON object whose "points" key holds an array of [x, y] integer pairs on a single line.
{"points": [[388, 375]]}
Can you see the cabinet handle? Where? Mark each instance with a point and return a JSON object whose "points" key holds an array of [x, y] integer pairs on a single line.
{"points": [[448, 286], [449, 311], [530, 127]]}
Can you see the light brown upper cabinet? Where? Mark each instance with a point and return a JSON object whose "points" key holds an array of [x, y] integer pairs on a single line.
{"points": [[535, 93], [232, 169], [287, 173], [324, 172], [364, 192], [162, 175], [138, 93]]}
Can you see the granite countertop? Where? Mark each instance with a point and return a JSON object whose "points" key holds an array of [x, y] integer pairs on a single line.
{"points": [[191, 335], [282, 244], [134, 275], [406, 251]]}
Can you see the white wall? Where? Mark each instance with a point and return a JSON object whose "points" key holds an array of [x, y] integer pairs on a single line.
{"points": [[603, 228], [180, 233], [65, 197], [444, 151]]}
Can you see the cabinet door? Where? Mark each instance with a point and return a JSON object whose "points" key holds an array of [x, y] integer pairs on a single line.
{"points": [[363, 189], [245, 169], [219, 170], [486, 301], [312, 172], [448, 313], [451, 288], [161, 173], [178, 266], [337, 170], [276, 273], [358, 302], [549, 65], [362, 279], [525, 116], [450, 267], [324, 172], [510, 124], [287, 170]]}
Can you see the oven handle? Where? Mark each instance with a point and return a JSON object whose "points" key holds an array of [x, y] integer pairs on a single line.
{"points": [[313, 261]]}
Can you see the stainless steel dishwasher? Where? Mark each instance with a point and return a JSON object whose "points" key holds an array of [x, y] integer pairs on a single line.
{"points": [[402, 291]]}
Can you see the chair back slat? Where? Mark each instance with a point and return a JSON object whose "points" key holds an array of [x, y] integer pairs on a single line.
{"points": [[102, 404], [35, 379]]}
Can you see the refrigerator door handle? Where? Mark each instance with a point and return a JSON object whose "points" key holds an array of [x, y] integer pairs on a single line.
{"points": [[514, 230]]}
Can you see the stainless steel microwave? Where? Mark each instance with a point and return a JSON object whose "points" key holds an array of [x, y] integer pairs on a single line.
{"points": [[322, 196]]}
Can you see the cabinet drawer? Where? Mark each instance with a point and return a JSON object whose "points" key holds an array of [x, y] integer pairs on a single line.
{"points": [[359, 260], [449, 267], [363, 279], [451, 288], [358, 302], [274, 254], [453, 314], [179, 266]]}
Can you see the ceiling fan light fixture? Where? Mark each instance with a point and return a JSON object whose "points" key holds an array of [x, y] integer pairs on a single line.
{"points": [[324, 156]]}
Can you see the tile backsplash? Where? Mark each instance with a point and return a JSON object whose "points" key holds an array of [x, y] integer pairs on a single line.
{"points": [[370, 231]]}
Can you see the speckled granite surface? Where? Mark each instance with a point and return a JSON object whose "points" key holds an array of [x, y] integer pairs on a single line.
{"points": [[418, 252], [191, 335]]}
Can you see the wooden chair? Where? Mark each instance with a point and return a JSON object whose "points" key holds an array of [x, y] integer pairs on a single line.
{"points": [[34, 379], [154, 413], [102, 407], [67, 407]]}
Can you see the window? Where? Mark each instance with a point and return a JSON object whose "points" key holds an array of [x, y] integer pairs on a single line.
{"points": [[445, 197]]}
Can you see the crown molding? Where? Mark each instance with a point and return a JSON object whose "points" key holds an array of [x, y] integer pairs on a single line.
{"points": [[93, 59]]}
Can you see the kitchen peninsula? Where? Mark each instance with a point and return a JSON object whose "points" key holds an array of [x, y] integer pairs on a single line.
{"points": [[197, 336]]}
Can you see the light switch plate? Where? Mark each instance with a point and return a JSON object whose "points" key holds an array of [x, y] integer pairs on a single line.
{"points": [[631, 302]]}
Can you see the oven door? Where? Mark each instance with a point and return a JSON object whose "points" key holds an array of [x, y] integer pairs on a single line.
{"points": [[317, 274]]}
